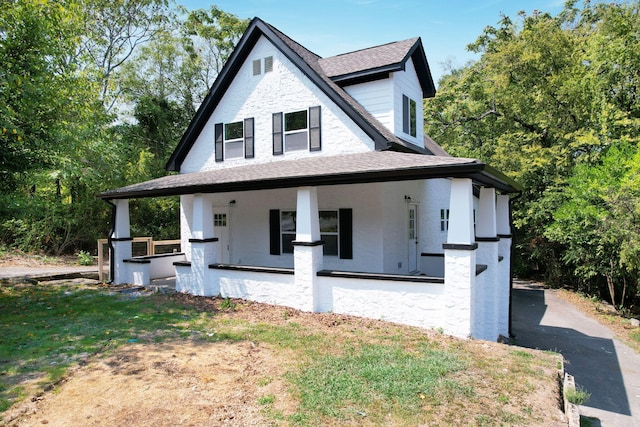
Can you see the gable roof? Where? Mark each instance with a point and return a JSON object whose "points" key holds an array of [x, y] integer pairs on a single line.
{"points": [[309, 63], [372, 166], [377, 62]]}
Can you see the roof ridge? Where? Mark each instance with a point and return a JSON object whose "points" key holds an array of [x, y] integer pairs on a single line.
{"points": [[413, 39]]}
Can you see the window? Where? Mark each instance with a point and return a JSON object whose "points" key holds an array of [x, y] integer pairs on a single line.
{"points": [[296, 134], [444, 219], [220, 220], [234, 140], [268, 64], [335, 231], [328, 231], [409, 116], [297, 130], [257, 65], [288, 230]]}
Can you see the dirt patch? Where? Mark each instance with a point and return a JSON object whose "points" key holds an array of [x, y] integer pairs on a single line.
{"points": [[15, 258], [168, 384]]}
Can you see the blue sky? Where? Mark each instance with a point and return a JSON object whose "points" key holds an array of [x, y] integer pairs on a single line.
{"points": [[330, 27]]}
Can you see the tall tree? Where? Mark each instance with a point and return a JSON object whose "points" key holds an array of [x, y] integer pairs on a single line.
{"points": [[545, 102]]}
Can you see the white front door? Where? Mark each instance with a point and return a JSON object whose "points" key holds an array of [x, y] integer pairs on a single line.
{"points": [[221, 231], [413, 238]]}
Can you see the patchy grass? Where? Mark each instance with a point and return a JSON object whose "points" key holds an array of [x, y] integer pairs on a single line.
{"points": [[337, 369], [46, 329]]}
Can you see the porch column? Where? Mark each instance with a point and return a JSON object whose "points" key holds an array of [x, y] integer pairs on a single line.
{"points": [[121, 242], [503, 220], [203, 245], [488, 241], [460, 261], [307, 248]]}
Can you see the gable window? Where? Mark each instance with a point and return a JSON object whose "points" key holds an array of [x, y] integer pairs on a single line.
{"points": [[409, 116], [268, 64], [297, 130], [257, 65], [335, 232], [234, 140]]}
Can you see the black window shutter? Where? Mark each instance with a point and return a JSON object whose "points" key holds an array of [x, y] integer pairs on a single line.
{"points": [[277, 134], [405, 114], [219, 142], [315, 140], [248, 138], [274, 232], [346, 233]]}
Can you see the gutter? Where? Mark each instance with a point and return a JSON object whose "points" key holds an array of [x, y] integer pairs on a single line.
{"points": [[513, 239], [112, 264]]}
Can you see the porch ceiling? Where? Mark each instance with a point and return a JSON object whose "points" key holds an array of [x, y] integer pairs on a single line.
{"points": [[375, 166]]}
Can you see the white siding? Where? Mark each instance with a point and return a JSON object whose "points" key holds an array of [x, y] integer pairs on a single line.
{"points": [[285, 89], [377, 98], [407, 83]]}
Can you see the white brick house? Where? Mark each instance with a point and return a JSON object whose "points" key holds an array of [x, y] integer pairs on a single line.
{"points": [[308, 182]]}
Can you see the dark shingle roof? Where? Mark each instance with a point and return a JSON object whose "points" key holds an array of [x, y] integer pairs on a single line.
{"points": [[373, 166], [366, 59]]}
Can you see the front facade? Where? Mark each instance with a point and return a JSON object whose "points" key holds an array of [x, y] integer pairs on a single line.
{"points": [[309, 182]]}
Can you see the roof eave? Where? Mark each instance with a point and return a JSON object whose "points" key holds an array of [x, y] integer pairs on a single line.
{"points": [[477, 171]]}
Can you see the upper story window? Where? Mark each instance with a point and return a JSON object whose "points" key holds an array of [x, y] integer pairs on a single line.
{"points": [[297, 130], [234, 140], [409, 116]]}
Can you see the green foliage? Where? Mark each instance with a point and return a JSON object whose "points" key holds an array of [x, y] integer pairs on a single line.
{"points": [[577, 396], [553, 102], [85, 258], [95, 95]]}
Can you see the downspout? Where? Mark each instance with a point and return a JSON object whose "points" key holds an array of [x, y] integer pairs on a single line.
{"points": [[112, 264], [513, 239]]}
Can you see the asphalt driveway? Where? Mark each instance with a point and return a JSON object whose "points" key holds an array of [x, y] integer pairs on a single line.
{"points": [[602, 364]]}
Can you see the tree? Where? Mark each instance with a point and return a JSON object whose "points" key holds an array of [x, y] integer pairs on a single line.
{"points": [[114, 30], [546, 102]]}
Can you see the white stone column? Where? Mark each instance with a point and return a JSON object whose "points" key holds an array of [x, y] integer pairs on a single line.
{"points": [[307, 248], [121, 242], [203, 245], [488, 241], [503, 220], [460, 261]]}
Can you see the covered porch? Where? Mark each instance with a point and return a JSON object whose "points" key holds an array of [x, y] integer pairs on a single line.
{"points": [[468, 296]]}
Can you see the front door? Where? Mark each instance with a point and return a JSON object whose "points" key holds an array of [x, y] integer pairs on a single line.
{"points": [[221, 231], [413, 238]]}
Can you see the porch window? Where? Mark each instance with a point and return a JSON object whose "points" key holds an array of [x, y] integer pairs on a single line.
{"points": [[335, 232], [444, 219], [409, 116], [297, 130], [234, 140]]}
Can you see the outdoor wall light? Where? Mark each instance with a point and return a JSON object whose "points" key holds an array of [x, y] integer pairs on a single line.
{"points": [[232, 203], [407, 199]]}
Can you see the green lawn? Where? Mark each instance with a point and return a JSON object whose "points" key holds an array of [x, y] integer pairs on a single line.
{"points": [[341, 373]]}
